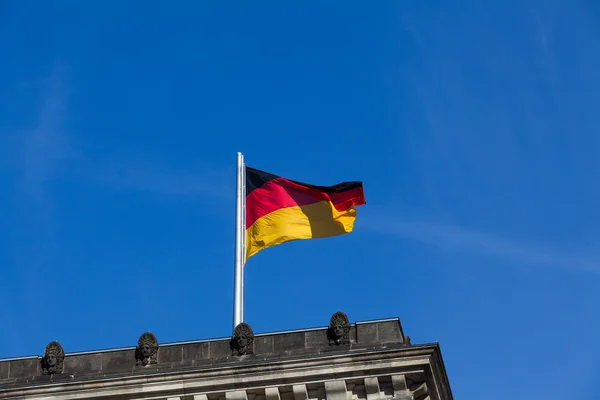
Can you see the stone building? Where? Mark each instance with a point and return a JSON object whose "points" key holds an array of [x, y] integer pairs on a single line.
{"points": [[361, 361]]}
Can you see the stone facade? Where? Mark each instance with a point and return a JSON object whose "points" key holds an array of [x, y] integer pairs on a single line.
{"points": [[376, 362]]}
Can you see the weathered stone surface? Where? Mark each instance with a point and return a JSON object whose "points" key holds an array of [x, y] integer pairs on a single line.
{"points": [[316, 338], [4, 370], [23, 368], [376, 364], [263, 380], [118, 361], [366, 333], [286, 342], [83, 362], [336, 390], [263, 344], [168, 354], [388, 333], [41, 378], [195, 351], [352, 334], [219, 349], [274, 346], [57, 377]]}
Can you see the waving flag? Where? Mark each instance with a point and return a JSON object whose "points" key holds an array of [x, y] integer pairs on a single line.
{"points": [[279, 210]]}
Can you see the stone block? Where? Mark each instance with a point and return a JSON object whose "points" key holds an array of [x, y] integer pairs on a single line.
{"points": [[336, 390], [219, 349], [24, 381], [6, 382], [4, 370], [263, 345], [389, 332], [352, 334], [366, 334], [335, 348], [82, 364], [316, 339], [236, 395], [24, 368], [60, 377], [42, 379], [170, 354], [288, 342], [195, 351], [121, 360]]}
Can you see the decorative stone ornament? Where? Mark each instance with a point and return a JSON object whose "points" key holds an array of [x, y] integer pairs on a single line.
{"points": [[146, 351], [339, 329], [52, 362], [242, 342]]}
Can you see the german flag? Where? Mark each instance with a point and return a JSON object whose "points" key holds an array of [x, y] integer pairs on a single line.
{"points": [[279, 210]]}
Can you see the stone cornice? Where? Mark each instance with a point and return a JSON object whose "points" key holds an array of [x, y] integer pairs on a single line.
{"points": [[175, 356], [250, 372]]}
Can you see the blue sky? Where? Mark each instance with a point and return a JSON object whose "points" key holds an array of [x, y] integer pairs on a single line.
{"points": [[473, 125]]}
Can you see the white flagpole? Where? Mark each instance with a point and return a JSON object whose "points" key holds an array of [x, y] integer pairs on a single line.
{"points": [[240, 242]]}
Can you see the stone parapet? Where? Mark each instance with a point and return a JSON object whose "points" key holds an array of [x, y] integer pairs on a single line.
{"points": [[393, 373], [268, 347]]}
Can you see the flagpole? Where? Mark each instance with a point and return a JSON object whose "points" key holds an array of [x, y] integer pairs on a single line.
{"points": [[243, 230], [240, 200]]}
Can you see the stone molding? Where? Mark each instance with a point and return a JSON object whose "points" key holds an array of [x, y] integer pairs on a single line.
{"points": [[409, 372], [180, 356]]}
